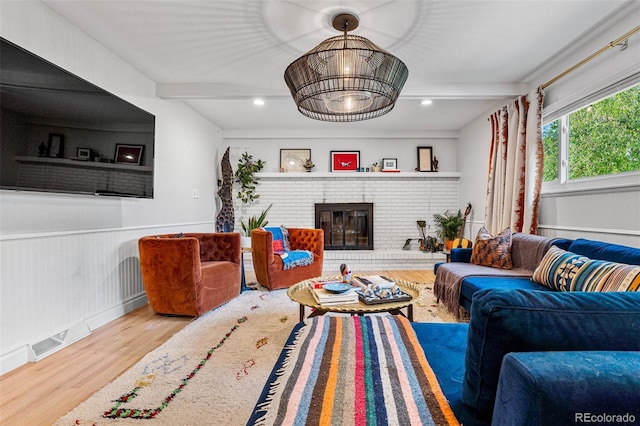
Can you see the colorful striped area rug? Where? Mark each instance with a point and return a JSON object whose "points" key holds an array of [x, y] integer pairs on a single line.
{"points": [[213, 371], [352, 371]]}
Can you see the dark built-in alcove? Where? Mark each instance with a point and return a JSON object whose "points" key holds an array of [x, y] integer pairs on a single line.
{"points": [[347, 226]]}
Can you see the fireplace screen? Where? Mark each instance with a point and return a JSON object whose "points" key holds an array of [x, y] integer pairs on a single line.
{"points": [[347, 226]]}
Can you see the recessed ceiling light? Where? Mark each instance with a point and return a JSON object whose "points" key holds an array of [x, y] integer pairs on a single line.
{"points": [[258, 102], [426, 102]]}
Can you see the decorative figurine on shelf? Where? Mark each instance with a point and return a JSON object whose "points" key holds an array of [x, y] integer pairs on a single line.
{"points": [[435, 164], [308, 165], [345, 271], [42, 149]]}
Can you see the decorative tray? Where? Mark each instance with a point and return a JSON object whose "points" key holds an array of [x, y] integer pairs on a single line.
{"points": [[376, 298]]}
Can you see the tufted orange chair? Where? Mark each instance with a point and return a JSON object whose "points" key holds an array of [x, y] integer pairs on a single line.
{"points": [[190, 274], [268, 266]]}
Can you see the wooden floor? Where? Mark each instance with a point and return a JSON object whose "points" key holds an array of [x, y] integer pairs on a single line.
{"points": [[39, 393]]}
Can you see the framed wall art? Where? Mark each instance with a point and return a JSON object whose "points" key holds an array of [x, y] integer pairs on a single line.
{"points": [[55, 147], [425, 159], [345, 161], [292, 160], [128, 154], [389, 164], [83, 154]]}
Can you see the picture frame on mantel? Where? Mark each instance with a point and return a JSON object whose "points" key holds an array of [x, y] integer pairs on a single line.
{"points": [[345, 161], [389, 164], [292, 160], [55, 145], [128, 154], [425, 159]]}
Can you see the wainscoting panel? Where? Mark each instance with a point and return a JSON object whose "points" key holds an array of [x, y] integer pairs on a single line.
{"points": [[68, 281], [615, 236]]}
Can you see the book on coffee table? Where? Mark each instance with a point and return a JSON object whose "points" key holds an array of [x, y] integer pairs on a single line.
{"points": [[325, 298]]}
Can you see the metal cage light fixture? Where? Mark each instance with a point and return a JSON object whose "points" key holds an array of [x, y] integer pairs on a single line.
{"points": [[346, 78]]}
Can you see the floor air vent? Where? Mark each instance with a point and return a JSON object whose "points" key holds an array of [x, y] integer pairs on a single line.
{"points": [[52, 344]]}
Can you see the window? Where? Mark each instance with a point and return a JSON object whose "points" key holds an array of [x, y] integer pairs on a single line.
{"points": [[602, 138]]}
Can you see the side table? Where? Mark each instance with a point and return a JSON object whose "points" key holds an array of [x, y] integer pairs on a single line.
{"points": [[243, 279]]}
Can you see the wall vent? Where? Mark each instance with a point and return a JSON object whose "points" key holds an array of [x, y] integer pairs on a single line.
{"points": [[52, 344]]}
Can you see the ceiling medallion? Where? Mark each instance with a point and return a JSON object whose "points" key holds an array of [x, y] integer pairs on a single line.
{"points": [[346, 78]]}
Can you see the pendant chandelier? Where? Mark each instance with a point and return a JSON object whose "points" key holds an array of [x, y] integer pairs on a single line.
{"points": [[346, 78]]}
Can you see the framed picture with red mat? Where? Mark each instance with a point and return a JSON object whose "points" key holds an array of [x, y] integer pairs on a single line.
{"points": [[345, 161]]}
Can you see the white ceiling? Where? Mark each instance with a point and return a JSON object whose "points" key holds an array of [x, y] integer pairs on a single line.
{"points": [[217, 55]]}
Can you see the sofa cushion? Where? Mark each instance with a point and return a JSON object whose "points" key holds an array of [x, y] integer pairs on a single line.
{"points": [[472, 284], [493, 251], [606, 251], [504, 321], [558, 268], [562, 388]]}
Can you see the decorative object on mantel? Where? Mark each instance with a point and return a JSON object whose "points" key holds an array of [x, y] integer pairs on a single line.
{"points": [[375, 167], [308, 165], [294, 160], [55, 146], [42, 149], [434, 164], [346, 78], [226, 217], [245, 176], [390, 165], [345, 161], [425, 159], [129, 154]]}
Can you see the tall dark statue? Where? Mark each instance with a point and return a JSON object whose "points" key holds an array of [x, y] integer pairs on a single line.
{"points": [[226, 218]]}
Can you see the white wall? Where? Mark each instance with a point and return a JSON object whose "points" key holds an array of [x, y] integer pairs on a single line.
{"points": [[71, 259], [607, 215]]}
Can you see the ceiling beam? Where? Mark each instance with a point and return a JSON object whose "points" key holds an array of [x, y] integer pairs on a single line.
{"points": [[229, 91]]}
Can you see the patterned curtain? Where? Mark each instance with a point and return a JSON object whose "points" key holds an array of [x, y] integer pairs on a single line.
{"points": [[515, 165]]}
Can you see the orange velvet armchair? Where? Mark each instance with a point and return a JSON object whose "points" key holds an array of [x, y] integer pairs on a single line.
{"points": [[190, 274], [268, 266]]}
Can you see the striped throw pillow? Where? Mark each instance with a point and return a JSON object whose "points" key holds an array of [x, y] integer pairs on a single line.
{"points": [[565, 271], [558, 268], [492, 251], [600, 275]]}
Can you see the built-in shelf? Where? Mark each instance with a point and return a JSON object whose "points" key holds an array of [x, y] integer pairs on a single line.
{"points": [[87, 164], [358, 175]]}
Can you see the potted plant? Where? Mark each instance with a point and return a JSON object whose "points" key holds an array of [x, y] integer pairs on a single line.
{"points": [[245, 176], [448, 226], [252, 223]]}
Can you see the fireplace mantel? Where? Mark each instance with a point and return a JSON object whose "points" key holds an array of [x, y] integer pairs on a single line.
{"points": [[357, 175]]}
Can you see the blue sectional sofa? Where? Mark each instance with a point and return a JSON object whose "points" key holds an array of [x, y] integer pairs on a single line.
{"points": [[531, 355]]}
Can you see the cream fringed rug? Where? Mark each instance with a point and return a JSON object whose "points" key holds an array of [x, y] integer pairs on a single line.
{"points": [[213, 371]]}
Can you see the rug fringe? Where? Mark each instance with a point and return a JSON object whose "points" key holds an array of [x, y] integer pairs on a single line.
{"points": [[269, 400]]}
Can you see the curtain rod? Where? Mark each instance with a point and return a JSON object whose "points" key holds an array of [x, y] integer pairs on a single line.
{"points": [[587, 59]]}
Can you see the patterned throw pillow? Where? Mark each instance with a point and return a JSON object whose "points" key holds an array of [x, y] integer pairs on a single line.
{"points": [[558, 268], [492, 251], [600, 275], [565, 271], [623, 278]]}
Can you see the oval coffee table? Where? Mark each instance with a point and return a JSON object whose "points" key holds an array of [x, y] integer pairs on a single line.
{"points": [[301, 294]]}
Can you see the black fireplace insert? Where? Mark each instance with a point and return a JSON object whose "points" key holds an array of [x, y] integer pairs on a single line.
{"points": [[347, 226]]}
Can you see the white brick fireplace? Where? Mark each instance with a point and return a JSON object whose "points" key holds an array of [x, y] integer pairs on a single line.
{"points": [[399, 199]]}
